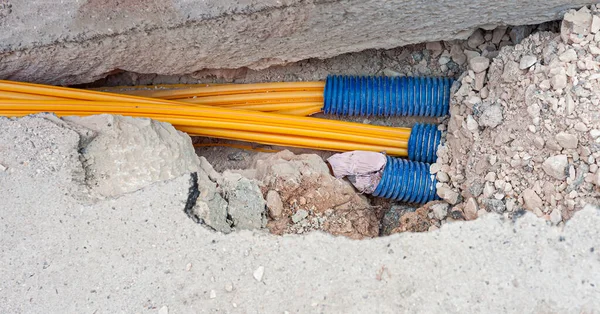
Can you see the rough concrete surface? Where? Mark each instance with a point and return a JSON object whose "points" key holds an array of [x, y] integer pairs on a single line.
{"points": [[87, 40], [139, 253]]}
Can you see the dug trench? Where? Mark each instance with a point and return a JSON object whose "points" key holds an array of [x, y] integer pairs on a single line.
{"points": [[117, 214], [486, 164]]}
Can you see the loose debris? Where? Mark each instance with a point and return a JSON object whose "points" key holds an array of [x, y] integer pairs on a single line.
{"points": [[524, 131]]}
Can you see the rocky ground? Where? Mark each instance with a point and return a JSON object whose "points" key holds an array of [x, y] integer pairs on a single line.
{"points": [[524, 132]]}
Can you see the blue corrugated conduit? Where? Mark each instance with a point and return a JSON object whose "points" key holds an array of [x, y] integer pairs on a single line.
{"points": [[423, 143], [387, 96], [406, 181]]}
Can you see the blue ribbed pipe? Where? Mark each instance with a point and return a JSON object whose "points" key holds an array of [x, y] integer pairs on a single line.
{"points": [[406, 181], [423, 143], [387, 96]]}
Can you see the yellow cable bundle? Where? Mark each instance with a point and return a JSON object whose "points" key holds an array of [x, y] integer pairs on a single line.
{"points": [[203, 120]]}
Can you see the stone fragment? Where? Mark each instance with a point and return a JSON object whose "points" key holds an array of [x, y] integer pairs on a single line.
{"points": [[299, 216], [531, 200], [434, 46], [518, 33], [494, 205], [581, 127], [274, 204], [595, 24], [472, 125], [448, 194], [471, 209], [440, 211], [567, 140], [556, 216], [479, 81], [259, 273], [497, 34], [442, 176], [491, 116], [479, 64], [457, 55], [475, 39], [568, 56], [527, 61], [559, 81], [556, 166]]}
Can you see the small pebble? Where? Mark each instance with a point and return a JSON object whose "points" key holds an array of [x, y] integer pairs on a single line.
{"points": [[213, 294], [163, 310], [258, 273]]}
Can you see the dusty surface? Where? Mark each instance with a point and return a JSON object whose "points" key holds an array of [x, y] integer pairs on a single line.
{"points": [[139, 253], [86, 40], [524, 131]]}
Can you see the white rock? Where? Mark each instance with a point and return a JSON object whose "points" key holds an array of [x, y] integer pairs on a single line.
{"points": [[479, 64], [472, 125], [595, 133], [447, 194], [492, 159], [581, 127], [595, 24], [531, 200], [213, 294], [229, 286], [440, 211], [434, 168], [490, 177], [556, 166], [566, 140], [443, 60], [258, 273], [2, 168], [163, 310], [556, 216], [568, 56], [442, 176], [594, 49], [559, 81], [527, 61]]}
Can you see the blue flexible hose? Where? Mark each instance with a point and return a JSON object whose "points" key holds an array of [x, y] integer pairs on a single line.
{"points": [[406, 181], [387, 96], [423, 143]]}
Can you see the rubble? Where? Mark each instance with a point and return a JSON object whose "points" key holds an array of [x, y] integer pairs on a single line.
{"points": [[535, 129]]}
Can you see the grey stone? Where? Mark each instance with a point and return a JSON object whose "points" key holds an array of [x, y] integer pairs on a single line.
{"points": [[475, 39], [494, 205], [83, 41], [491, 116], [246, 205], [440, 211], [299, 216], [518, 33]]}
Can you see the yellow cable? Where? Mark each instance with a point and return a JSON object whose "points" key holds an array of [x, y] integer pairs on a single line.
{"points": [[307, 111], [274, 97], [225, 114], [232, 89], [233, 125]]}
